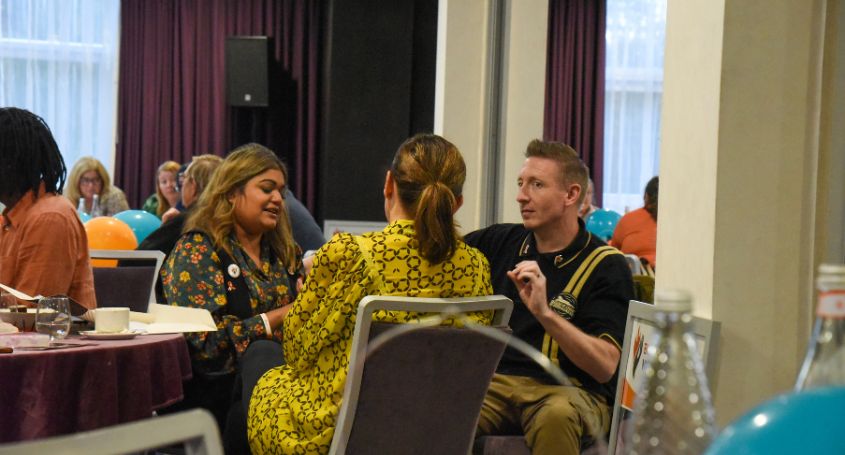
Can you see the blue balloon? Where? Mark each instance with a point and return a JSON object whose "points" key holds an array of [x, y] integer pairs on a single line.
{"points": [[83, 216], [142, 223], [803, 422], [602, 223]]}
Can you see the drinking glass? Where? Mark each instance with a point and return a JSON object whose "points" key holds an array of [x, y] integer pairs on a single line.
{"points": [[53, 317]]}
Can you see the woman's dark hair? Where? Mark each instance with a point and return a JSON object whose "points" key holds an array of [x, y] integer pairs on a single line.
{"points": [[651, 189], [28, 155], [429, 172]]}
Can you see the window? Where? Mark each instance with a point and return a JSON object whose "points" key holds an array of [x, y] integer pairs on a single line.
{"points": [[58, 59], [635, 34]]}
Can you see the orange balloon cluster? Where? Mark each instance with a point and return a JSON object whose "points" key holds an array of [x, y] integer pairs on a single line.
{"points": [[107, 233]]}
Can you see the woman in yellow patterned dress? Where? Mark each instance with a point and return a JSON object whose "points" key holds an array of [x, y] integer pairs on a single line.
{"points": [[419, 254]]}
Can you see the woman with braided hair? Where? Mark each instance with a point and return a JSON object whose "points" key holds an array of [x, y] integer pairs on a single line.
{"points": [[294, 406]]}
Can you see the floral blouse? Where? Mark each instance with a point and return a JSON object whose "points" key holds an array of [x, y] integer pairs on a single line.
{"points": [[193, 277], [294, 407]]}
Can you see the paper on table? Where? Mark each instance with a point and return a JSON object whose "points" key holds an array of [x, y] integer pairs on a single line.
{"points": [[174, 319], [76, 309], [158, 318], [20, 295]]}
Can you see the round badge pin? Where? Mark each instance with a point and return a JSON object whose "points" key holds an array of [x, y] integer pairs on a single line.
{"points": [[234, 270]]}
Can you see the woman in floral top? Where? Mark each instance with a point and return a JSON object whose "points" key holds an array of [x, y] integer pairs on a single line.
{"points": [[237, 259], [294, 407]]}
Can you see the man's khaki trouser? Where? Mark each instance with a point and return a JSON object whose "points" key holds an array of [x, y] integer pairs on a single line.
{"points": [[555, 419]]}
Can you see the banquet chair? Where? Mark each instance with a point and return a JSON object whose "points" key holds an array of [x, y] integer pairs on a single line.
{"points": [[195, 430], [131, 283], [417, 388], [634, 263]]}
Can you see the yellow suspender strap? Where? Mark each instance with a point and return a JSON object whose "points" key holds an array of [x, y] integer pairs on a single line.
{"points": [[550, 346]]}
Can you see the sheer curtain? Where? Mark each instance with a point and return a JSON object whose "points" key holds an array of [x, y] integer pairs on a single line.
{"points": [[635, 35], [58, 59]]}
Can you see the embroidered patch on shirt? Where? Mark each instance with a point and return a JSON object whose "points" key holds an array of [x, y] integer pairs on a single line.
{"points": [[564, 305], [234, 270]]}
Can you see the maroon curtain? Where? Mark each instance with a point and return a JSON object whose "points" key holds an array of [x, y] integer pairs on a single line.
{"points": [[172, 92], [574, 111]]}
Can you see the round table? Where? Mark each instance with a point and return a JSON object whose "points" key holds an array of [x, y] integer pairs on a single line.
{"points": [[52, 392]]}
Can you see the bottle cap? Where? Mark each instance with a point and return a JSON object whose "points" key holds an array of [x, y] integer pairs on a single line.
{"points": [[831, 275], [674, 300]]}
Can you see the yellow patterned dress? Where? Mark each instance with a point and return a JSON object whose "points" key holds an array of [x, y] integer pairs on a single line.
{"points": [[294, 407]]}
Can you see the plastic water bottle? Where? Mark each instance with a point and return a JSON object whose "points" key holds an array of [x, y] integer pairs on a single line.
{"points": [[825, 360], [95, 207], [674, 414], [80, 208]]}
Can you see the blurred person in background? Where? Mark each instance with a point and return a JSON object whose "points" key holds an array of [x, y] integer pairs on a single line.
{"points": [[636, 232], [180, 206], [195, 180], [88, 178], [166, 195], [306, 232], [588, 205]]}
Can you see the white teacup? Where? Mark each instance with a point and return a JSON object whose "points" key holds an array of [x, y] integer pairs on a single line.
{"points": [[111, 320]]}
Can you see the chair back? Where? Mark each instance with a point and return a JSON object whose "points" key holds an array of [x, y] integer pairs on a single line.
{"points": [[131, 283], [420, 391], [195, 430]]}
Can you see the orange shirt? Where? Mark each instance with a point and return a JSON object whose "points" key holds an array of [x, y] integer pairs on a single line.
{"points": [[636, 233], [44, 249]]}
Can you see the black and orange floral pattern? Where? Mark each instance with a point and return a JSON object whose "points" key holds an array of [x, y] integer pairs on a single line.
{"points": [[193, 277]]}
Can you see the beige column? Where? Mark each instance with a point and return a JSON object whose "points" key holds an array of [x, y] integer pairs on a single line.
{"points": [[463, 102], [739, 174], [459, 98], [523, 93]]}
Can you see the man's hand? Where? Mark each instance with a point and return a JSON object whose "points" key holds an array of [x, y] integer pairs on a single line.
{"points": [[598, 357], [531, 284]]}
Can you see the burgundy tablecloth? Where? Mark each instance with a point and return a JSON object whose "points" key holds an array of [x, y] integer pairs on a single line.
{"points": [[47, 393]]}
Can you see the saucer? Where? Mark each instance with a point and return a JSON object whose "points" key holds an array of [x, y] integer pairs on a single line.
{"points": [[94, 335]]}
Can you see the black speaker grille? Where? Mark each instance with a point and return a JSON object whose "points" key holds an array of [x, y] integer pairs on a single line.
{"points": [[247, 71]]}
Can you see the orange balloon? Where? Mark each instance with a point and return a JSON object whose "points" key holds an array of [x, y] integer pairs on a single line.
{"points": [[107, 233]]}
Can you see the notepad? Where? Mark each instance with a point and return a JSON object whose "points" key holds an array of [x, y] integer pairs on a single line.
{"points": [[172, 319]]}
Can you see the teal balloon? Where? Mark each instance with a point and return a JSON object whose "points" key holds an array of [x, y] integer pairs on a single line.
{"points": [[142, 223], [602, 223], [803, 422], [83, 216]]}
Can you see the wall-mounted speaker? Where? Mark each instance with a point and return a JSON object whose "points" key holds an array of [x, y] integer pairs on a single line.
{"points": [[247, 70]]}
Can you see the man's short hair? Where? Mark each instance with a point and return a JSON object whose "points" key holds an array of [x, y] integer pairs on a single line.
{"points": [[572, 169]]}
